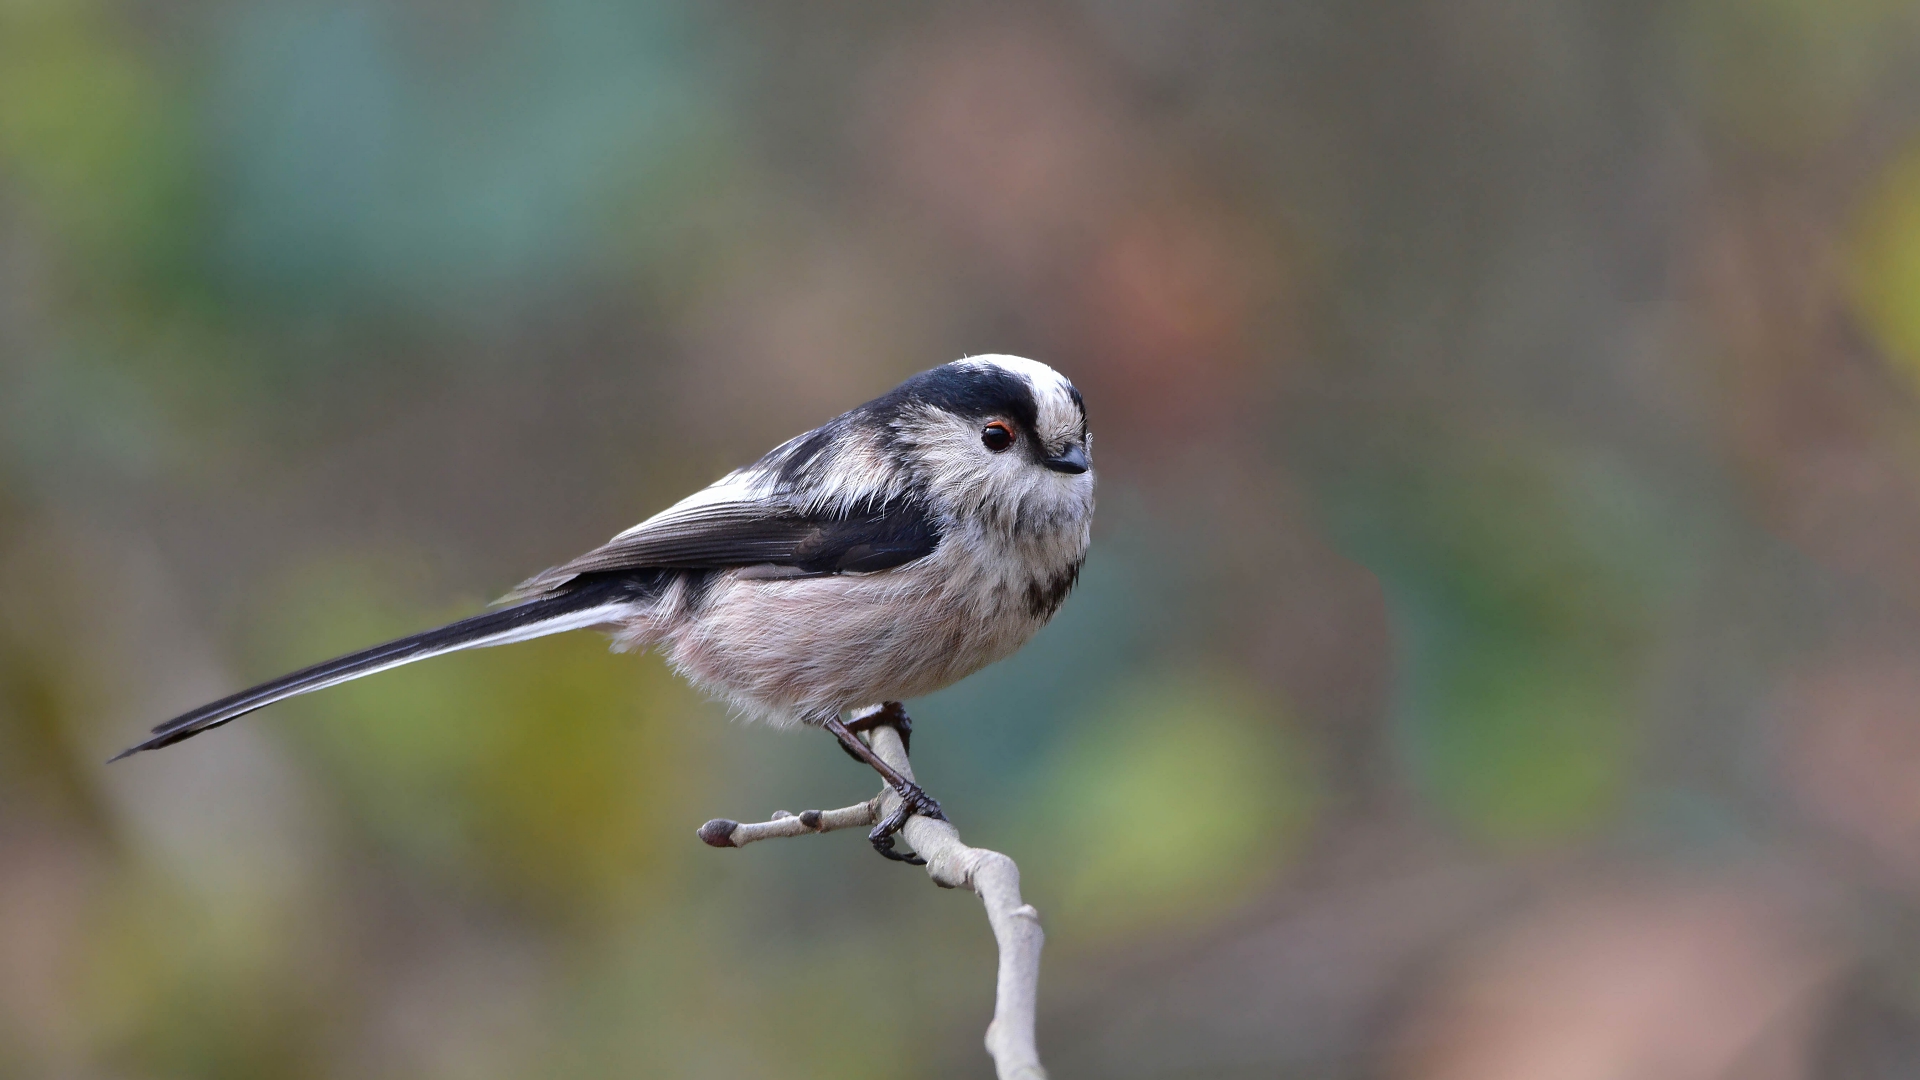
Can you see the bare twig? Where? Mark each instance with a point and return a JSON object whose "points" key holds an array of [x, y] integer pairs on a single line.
{"points": [[723, 832], [952, 865]]}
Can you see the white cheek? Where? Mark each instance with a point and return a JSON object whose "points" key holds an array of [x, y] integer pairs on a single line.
{"points": [[996, 489]]}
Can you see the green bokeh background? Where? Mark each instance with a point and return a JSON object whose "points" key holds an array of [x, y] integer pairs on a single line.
{"points": [[1510, 502]]}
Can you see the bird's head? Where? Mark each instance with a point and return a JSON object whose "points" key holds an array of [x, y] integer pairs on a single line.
{"points": [[999, 437]]}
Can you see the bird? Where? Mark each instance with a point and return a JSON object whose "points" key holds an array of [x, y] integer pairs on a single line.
{"points": [[892, 551]]}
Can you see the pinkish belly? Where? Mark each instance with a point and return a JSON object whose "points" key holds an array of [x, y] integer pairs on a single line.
{"points": [[777, 648]]}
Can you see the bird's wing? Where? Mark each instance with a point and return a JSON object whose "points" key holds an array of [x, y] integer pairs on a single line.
{"points": [[714, 531]]}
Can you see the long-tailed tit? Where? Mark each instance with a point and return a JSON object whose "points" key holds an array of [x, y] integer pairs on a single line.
{"points": [[889, 552]]}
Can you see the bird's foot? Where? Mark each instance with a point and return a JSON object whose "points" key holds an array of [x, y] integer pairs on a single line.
{"points": [[913, 800], [893, 715]]}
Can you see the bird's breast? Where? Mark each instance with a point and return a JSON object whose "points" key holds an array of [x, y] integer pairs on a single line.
{"points": [[778, 648]]}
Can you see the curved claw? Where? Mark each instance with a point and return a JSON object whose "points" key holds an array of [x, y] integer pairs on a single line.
{"points": [[882, 839], [914, 800]]}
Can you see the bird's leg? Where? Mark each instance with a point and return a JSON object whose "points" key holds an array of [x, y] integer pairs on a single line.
{"points": [[913, 800]]}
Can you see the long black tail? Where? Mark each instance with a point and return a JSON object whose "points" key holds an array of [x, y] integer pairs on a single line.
{"points": [[592, 602]]}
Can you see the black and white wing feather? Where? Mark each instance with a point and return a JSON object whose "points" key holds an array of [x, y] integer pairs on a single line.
{"points": [[727, 535], [816, 504]]}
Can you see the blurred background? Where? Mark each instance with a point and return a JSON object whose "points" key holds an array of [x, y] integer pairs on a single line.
{"points": [[1499, 656]]}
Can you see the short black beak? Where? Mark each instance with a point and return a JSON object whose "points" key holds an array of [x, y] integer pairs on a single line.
{"points": [[1074, 461]]}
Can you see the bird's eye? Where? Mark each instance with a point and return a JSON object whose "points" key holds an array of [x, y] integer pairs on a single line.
{"points": [[996, 436]]}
